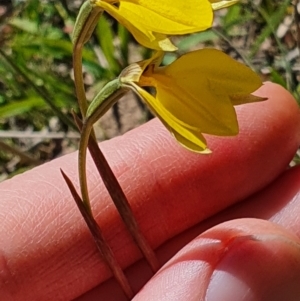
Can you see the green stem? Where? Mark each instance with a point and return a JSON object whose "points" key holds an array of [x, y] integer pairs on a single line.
{"points": [[102, 102], [239, 53], [85, 24], [82, 35], [85, 134], [112, 185]]}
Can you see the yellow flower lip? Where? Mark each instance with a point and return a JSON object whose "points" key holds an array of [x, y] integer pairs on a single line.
{"points": [[195, 94]]}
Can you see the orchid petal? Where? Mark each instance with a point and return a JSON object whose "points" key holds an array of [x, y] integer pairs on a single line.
{"points": [[239, 99], [171, 16], [151, 21], [134, 71], [196, 89], [196, 106], [222, 4], [191, 139], [231, 76], [153, 40]]}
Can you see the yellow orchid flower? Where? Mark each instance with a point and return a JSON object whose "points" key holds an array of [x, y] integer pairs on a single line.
{"points": [[151, 21], [195, 94]]}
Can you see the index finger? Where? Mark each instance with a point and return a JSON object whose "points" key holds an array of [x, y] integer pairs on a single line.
{"points": [[45, 246]]}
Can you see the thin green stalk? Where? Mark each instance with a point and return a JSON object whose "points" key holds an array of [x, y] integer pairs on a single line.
{"points": [[288, 68], [242, 57], [103, 101], [86, 28], [112, 185], [85, 24]]}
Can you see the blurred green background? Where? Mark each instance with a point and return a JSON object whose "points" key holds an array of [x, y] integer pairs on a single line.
{"points": [[36, 81]]}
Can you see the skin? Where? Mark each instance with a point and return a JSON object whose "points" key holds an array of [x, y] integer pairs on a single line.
{"points": [[225, 226]]}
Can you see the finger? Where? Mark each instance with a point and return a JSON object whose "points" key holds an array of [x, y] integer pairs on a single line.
{"points": [[43, 237], [279, 202], [240, 260]]}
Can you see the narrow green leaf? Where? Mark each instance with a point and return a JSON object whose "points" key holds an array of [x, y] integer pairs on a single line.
{"points": [[273, 20], [193, 40], [20, 107], [106, 39], [278, 78], [124, 37], [24, 25]]}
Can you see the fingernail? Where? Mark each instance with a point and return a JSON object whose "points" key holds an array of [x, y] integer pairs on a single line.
{"points": [[255, 270], [227, 282], [227, 287]]}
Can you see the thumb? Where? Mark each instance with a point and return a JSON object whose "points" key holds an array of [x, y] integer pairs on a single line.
{"points": [[240, 260]]}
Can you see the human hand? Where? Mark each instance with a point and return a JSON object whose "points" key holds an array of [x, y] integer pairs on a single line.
{"points": [[47, 253]]}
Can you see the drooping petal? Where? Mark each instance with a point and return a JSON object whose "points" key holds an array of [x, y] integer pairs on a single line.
{"points": [[196, 105], [217, 4], [151, 21], [187, 137], [169, 16], [231, 76], [191, 140], [152, 40]]}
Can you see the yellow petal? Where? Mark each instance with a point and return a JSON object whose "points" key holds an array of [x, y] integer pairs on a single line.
{"points": [[195, 94], [196, 89], [168, 16], [133, 72], [222, 4], [230, 76], [239, 99], [189, 141], [195, 105], [189, 138], [152, 40]]}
